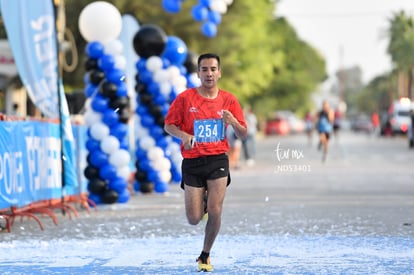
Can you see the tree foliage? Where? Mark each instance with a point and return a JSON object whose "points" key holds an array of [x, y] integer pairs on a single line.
{"points": [[264, 62], [401, 45]]}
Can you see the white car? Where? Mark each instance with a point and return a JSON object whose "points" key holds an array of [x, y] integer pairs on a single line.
{"points": [[399, 115]]}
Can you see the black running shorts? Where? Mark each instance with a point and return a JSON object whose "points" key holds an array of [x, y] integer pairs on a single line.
{"points": [[196, 171]]}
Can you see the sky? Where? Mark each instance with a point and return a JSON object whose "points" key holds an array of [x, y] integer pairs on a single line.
{"points": [[347, 33]]}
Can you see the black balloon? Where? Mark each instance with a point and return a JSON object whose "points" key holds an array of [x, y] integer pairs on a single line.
{"points": [[108, 89], [97, 186], [149, 40], [140, 175], [91, 172], [145, 98], [91, 64], [124, 115], [160, 121], [190, 62], [96, 76], [110, 196], [155, 110], [119, 102], [146, 187]]}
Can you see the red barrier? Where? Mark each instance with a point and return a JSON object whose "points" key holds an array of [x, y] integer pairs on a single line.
{"points": [[47, 208]]}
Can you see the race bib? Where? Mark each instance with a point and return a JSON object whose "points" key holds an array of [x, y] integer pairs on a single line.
{"points": [[209, 130]]}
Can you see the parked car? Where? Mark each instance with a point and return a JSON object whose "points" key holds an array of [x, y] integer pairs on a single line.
{"points": [[277, 126], [296, 125], [399, 116], [362, 123]]}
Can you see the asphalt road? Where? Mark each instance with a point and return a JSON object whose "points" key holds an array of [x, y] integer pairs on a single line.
{"points": [[365, 188]]}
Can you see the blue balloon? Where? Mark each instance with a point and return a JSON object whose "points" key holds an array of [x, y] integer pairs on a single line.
{"points": [[99, 103], [137, 186], [98, 158], [145, 165], [156, 132], [159, 99], [145, 76], [92, 145], [140, 154], [172, 6], [119, 130], [95, 198], [153, 176], [106, 62], [209, 29], [162, 142], [142, 110], [183, 70], [94, 49], [107, 172], [205, 3], [153, 88], [214, 16], [124, 144], [199, 12], [118, 184], [124, 196], [110, 117], [116, 76], [175, 50], [161, 187], [122, 90], [147, 121], [90, 89], [141, 65]]}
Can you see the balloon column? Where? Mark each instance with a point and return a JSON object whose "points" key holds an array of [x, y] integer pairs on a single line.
{"points": [[107, 104], [208, 12], [158, 80]]}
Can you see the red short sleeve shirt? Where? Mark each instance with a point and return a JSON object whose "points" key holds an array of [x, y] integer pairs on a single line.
{"points": [[202, 117]]}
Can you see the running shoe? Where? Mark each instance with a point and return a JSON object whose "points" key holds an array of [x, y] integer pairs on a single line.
{"points": [[204, 266]]}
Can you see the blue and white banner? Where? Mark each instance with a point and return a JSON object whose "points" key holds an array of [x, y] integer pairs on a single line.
{"points": [[30, 169], [31, 31]]}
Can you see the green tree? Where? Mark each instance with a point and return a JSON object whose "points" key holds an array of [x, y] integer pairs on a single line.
{"points": [[401, 46], [264, 62]]}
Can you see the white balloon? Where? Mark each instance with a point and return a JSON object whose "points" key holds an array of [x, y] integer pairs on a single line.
{"points": [[120, 158], [180, 81], [91, 117], [114, 47], [120, 62], [165, 176], [163, 164], [173, 71], [161, 76], [154, 63], [194, 79], [123, 172], [99, 131], [146, 142], [165, 89], [219, 6], [109, 144], [100, 21], [155, 153]]}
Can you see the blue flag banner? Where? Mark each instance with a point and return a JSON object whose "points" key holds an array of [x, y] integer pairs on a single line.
{"points": [[30, 169], [31, 31]]}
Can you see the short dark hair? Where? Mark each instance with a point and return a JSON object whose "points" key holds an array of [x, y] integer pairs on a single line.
{"points": [[208, 55]]}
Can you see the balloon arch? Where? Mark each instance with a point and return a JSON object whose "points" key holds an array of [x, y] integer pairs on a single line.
{"points": [[163, 68]]}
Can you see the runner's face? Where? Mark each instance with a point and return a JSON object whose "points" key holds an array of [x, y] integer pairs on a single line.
{"points": [[209, 72]]}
